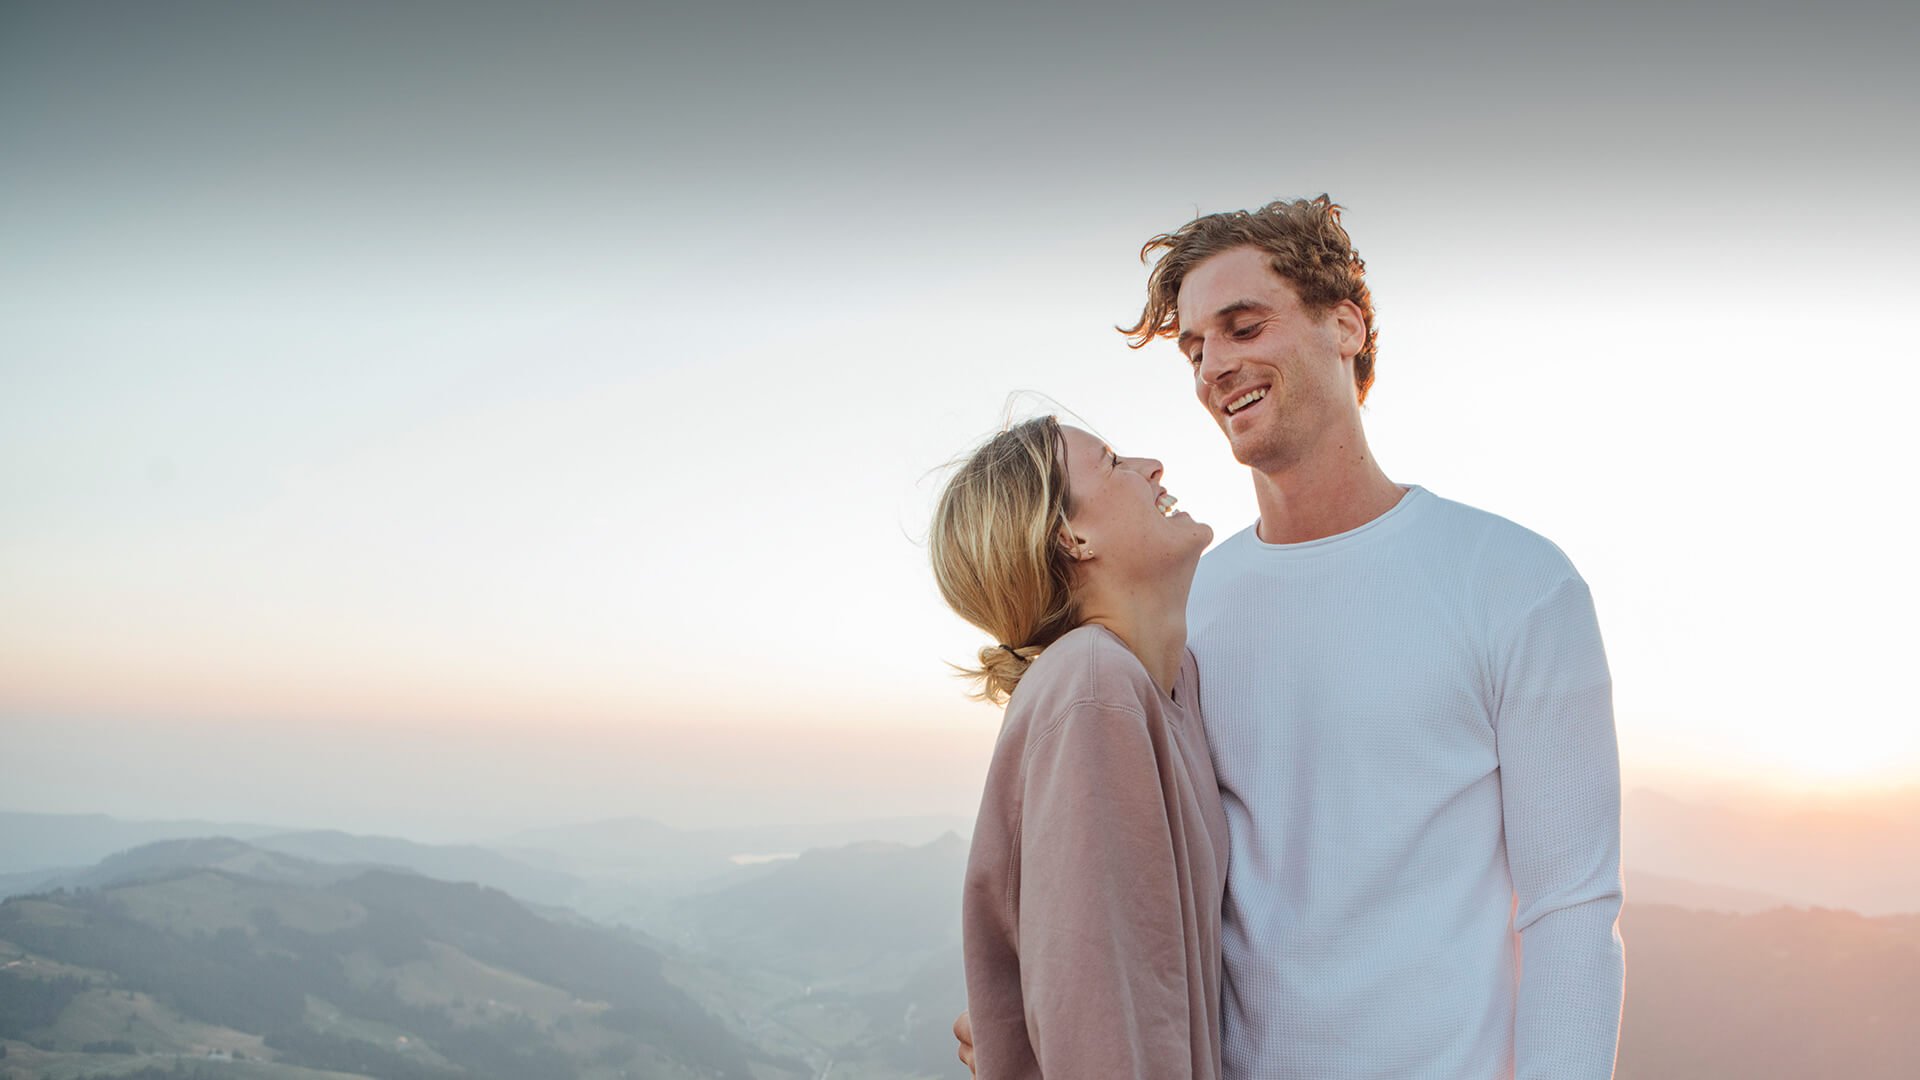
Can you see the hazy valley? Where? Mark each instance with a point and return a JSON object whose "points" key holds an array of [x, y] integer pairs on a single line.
{"points": [[631, 949]]}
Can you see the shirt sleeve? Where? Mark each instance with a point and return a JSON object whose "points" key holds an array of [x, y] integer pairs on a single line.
{"points": [[1560, 792], [1101, 939]]}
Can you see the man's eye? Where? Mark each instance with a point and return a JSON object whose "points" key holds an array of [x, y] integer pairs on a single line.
{"points": [[1194, 359], [1247, 331]]}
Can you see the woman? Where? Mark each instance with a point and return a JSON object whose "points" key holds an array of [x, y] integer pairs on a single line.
{"points": [[1091, 913]]}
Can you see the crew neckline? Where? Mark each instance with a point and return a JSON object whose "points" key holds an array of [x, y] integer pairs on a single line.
{"points": [[1413, 496], [1166, 696]]}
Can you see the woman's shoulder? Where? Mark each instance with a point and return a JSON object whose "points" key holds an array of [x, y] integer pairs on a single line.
{"points": [[1089, 666]]}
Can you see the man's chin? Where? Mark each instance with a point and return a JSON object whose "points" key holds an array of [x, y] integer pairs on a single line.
{"points": [[1260, 455], [1245, 451]]}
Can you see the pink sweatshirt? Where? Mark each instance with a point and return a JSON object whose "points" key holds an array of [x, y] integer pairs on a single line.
{"points": [[1091, 914]]}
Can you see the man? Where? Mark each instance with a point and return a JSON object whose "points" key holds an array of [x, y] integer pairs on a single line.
{"points": [[1408, 707]]}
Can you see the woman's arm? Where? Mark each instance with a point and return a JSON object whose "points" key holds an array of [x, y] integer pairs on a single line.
{"points": [[1102, 941]]}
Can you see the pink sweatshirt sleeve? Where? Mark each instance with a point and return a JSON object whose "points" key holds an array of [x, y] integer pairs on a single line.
{"points": [[1101, 942]]}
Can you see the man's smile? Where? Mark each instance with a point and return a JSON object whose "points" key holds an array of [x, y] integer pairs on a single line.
{"points": [[1245, 400]]}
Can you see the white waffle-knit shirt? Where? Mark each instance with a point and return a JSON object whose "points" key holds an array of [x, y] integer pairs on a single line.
{"points": [[1412, 726]]}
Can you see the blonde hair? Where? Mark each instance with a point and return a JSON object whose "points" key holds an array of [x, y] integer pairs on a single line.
{"points": [[997, 551]]}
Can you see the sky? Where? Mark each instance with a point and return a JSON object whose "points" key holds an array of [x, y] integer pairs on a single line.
{"points": [[450, 417]]}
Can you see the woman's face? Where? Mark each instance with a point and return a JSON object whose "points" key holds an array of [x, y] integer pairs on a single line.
{"points": [[1118, 513]]}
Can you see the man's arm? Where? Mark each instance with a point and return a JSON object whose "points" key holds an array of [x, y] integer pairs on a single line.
{"points": [[1560, 790]]}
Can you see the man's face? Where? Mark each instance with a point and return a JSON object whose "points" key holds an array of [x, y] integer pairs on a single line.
{"points": [[1273, 374]]}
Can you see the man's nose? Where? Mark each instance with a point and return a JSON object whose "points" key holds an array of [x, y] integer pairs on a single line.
{"points": [[1217, 363]]}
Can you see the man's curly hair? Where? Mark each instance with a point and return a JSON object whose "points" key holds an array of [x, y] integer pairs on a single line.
{"points": [[1306, 244]]}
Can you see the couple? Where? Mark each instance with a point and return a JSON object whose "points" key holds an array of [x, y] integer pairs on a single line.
{"points": [[1392, 847]]}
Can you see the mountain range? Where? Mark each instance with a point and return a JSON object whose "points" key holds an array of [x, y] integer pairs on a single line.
{"points": [[754, 954], [377, 973], [182, 949]]}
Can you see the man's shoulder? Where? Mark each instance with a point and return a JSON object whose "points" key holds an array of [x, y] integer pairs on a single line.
{"points": [[1505, 570], [1505, 547]]}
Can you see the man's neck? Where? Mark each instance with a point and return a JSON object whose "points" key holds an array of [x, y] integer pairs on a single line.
{"points": [[1334, 491]]}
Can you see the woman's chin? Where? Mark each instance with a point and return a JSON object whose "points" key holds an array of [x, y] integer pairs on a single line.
{"points": [[1202, 530], [1196, 546]]}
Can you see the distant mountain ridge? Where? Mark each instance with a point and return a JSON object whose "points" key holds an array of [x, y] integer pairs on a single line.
{"points": [[448, 862], [628, 869], [611, 834], [838, 911], [1861, 853], [65, 842], [1645, 888], [404, 943], [316, 858], [167, 857], [843, 959], [624, 844], [373, 973]]}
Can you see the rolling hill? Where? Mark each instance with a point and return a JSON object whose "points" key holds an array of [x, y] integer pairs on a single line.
{"points": [[842, 961], [377, 974]]}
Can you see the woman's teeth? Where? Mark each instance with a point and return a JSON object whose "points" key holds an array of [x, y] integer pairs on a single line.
{"points": [[1166, 503]]}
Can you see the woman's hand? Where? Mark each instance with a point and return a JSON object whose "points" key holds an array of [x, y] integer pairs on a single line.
{"points": [[963, 1031]]}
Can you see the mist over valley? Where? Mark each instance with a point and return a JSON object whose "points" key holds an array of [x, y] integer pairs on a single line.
{"points": [[629, 948]]}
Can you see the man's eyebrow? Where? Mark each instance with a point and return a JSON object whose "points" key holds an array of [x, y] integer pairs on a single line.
{"points": [[1238, 307]]}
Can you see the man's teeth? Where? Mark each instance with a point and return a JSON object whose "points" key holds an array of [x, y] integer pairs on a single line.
{"points": [[1245, 400], [1166, 503]]}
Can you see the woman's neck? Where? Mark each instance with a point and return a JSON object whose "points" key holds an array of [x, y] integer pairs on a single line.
{"points": [[1154, 629]]}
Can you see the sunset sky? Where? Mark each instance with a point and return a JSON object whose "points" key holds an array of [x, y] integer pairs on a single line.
{"points": [[454, 417]]}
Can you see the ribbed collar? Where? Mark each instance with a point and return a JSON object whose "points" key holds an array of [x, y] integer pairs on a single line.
{"points": [[1409, 507]]}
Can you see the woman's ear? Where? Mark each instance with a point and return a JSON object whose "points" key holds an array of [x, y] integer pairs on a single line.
{"points": [[1075, 546]]}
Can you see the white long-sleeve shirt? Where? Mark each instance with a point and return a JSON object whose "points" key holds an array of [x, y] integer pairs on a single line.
{"points": [[1412, 726]]}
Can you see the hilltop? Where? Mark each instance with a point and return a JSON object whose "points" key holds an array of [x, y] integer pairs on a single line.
{"points": [[377, 973]]}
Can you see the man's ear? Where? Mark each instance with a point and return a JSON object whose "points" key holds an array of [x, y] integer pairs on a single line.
{"points": [[1350, 328]]}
